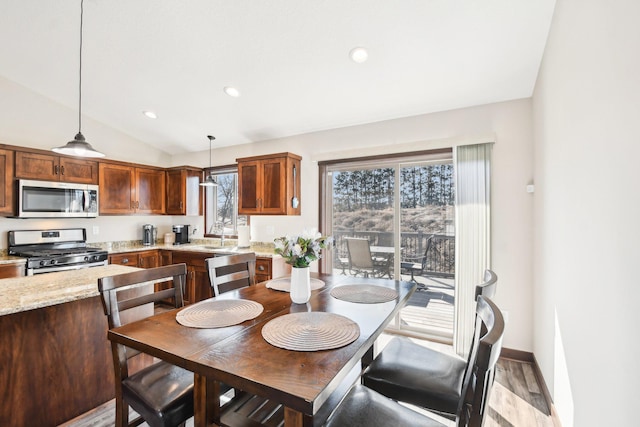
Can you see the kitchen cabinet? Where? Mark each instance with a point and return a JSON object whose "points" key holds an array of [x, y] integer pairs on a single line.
{"points": [[7, 206], [140, 259], [268, 268], [55, 168], [184, 191], [268, 184], [16, 269], [126, 189], [197, 286]]}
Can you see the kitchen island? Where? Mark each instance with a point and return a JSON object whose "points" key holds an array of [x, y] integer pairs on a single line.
{"points": [[56, 361]]}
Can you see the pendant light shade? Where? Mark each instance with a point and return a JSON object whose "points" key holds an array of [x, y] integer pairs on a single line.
{"points": [[79, 146], [209, 181]]}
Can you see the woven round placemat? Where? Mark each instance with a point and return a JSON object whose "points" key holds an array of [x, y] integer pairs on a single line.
{"points": [[284, 284], [219, 313], [310, 331], [364, 294]]}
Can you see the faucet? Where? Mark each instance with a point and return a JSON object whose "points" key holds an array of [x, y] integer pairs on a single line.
{"points": [[222, 234]]}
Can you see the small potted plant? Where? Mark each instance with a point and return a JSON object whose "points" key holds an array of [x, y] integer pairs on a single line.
{"points": [[300, 251]]}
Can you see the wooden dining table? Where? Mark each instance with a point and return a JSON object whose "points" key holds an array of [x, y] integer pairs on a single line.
{"points": [[301, 386]]}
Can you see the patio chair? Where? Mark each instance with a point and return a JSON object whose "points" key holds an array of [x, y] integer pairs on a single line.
{"points": [[417, 265], [361, 261], [442, 383]]}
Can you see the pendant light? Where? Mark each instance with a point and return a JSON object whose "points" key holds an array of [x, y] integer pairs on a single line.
{"points": [[209, 181], [79, 146]]}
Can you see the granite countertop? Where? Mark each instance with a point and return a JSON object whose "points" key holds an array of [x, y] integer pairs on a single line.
{"points": [[43, 290], [10, 259], [260, 250]]}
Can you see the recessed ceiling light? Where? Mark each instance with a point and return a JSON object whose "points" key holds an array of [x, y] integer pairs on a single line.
{"points": [[359, 54], [231, 91], [150, 114]]}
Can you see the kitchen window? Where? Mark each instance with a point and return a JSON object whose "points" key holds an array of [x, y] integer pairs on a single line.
{"points": [[221, 203]]}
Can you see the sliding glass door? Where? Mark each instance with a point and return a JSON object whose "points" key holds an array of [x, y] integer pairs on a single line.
{"points": [[394, 218]]}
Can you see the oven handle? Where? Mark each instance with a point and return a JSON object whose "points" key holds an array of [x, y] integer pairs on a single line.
{"points": [[32, 271]]}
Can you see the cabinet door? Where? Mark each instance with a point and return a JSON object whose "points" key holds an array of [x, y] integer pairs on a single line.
{"points": [[150, 191], [183, 192], [249, 187], [273, 187], [78, 170], [129, 259], [117, 189], [6, 182], [198, 285], [166, 257], [263, 269], [12, 270], [37, 166], [148, 259]]}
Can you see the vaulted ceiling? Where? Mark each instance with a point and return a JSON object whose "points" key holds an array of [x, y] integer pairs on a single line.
{"points": [[289, 59]]}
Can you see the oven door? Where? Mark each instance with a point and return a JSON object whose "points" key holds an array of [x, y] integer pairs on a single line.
{"points": [[44, 199]]}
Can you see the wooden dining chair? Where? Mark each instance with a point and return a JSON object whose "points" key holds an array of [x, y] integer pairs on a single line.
{"points": [[230, 272], [161, 393], [366, 405], [411, 373], [487, 288]]}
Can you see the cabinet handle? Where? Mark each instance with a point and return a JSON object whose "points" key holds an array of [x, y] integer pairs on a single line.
{"points": [[261, 267], [181, 205], [125, 260], [61, 170], [55, 169]]}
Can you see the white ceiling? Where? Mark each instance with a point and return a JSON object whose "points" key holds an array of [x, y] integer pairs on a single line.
{"points": [[288, 58]]}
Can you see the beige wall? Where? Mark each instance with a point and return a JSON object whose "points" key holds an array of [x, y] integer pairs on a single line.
{"points": [[509, 122], [586, 216]]}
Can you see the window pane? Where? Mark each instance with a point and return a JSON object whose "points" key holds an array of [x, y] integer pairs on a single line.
{"points": [[221, 212]]}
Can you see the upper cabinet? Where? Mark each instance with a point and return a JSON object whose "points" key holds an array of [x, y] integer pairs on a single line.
{"points": [[6, 182], [183, 191], [55, 168], [269, 185], [127, 189]]}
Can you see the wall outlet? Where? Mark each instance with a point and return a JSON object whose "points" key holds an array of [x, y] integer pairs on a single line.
{"points": [[96, 230]]}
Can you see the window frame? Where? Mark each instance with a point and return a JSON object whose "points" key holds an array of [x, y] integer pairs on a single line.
{"points": [[222, 170]]}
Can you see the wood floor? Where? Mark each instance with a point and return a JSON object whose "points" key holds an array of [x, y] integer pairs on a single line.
{"points": [[516, 401]]}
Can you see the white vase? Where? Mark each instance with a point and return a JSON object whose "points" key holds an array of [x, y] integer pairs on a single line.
{"points": [[300, 291]]}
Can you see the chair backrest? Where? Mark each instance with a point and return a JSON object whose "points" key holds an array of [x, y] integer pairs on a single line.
{"points": [[230, 272], [480, 372], [123, 306], [487, 288], [359, 253]]}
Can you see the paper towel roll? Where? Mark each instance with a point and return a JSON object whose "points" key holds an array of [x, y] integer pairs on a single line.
{"points": [[244, 236]]}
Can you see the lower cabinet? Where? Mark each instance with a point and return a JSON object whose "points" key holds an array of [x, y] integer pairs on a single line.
{"points": [[197, 286], [12, 270]]}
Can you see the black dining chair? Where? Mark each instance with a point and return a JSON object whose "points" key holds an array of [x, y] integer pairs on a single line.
{"points": [[366, 407], [424, 377], [161, 393]]}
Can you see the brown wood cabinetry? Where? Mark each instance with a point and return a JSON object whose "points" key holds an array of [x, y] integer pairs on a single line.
{"points": [[126, 189], [55, 168], [197, 286], [7, 206], [12, 270], [266, 184], [140, 259], [183, 191], [271, 267]]}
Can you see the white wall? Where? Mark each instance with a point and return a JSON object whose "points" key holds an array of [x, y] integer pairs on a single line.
{"points": [[587, 209], [29, 119], [510, 122]]}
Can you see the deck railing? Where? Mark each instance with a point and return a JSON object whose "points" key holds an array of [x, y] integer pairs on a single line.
{"points": [[440, 258]]}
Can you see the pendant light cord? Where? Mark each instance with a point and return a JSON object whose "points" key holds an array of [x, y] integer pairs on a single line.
{"points": [[80, 72]]}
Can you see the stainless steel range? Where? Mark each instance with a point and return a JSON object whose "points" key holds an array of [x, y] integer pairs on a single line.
{"points": [[55, 250]]}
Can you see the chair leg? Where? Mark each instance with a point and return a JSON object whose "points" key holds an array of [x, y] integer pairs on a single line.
{"points": [[122, 413]]}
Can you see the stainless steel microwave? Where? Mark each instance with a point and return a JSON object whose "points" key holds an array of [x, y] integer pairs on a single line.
{"points": [[46, 199]]}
